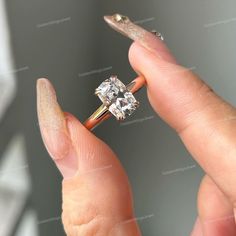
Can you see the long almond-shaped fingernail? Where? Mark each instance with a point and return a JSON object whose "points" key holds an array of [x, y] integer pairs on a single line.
{"points": [[53, 128], [150, 41]]}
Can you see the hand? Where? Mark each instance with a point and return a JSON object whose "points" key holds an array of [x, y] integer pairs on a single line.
{"points": [[97, 199]]}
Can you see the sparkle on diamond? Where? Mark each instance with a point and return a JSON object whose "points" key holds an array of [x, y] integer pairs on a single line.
{"points": [[113, 93]]}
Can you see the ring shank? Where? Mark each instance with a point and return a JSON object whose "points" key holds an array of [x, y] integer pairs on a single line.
{"points": [[102, 113]]}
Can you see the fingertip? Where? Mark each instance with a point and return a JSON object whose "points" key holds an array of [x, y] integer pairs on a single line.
{"points": [[159, 51], [174, 91], [153, 67]]}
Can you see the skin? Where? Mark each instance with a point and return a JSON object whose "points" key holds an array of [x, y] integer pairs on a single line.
{"points": [[97, 198]]}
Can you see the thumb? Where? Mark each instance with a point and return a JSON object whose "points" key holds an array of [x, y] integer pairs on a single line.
{"points": [[96, 193]]}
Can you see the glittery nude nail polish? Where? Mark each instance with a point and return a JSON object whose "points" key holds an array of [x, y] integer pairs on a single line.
{"points": [[151, 40], [53, 128]]}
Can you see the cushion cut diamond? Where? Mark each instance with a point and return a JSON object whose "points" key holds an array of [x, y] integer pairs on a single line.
{"points": [[113, 93]]}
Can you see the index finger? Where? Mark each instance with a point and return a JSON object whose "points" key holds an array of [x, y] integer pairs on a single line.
{"points": [[204, 121]]}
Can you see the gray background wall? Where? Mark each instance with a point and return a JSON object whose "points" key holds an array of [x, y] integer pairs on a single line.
{"points": [[165, 179]]}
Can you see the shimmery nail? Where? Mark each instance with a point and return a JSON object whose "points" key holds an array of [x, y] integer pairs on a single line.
{"points": [[51, 120], [152, 41], [124, 25], [53, 126]]}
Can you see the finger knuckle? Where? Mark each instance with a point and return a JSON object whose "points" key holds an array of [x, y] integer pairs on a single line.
{"points": [[87, 222]]}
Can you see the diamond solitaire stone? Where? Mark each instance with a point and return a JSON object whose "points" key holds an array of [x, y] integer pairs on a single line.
{"points": [[114, 94]]}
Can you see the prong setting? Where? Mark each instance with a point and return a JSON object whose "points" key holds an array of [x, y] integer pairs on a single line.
{"points": [[96, 92], [136, 104]]}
